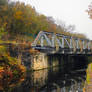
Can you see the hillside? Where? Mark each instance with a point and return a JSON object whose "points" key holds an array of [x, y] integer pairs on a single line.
{"points": [[20, 22]]}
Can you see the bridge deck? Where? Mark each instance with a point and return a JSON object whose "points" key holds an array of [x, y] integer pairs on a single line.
{"points": [[47, 49]]}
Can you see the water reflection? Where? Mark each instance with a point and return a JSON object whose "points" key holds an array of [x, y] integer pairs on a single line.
{"points": [[52, 80]]}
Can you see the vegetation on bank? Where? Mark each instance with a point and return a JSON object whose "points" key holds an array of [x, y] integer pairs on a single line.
{"points": [[21, 22], [89, 70], [88, 81], [10, 71]]}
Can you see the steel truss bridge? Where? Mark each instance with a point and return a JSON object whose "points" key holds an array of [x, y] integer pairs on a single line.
{"points": [[49, 42]]}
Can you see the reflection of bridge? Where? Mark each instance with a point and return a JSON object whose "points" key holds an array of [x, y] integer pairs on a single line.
{"points": [[50, 42]]}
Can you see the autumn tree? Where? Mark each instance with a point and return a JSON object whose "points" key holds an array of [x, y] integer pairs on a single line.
{"points": [[89, 11], [20, 20]]}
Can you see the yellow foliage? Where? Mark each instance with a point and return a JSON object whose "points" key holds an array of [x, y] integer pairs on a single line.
{"points": [[5, 23], [89, 73], [1, 68], [5, 8], [22, 68], [18, 15], [2, 49], [88, 78]]}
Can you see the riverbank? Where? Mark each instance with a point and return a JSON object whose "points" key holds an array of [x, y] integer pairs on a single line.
{"points": [[88, 82], [10, 71]]}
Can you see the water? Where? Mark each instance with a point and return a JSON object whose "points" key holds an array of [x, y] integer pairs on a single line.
{"points": [[51, 80]]}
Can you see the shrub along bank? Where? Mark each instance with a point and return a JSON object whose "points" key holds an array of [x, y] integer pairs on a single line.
{"points": [[10, 71]]}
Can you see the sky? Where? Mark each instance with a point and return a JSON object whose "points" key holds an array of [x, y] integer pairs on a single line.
{"points": [[72, 12]]}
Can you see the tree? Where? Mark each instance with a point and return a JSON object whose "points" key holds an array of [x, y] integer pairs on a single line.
{"points": [[3, 2], [89, 11], [70, 28], [24, 21], [2, 32]]}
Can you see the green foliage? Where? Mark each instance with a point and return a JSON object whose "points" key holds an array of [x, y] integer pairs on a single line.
{"points": [[3, 50], [2, 32], [3, 2]]}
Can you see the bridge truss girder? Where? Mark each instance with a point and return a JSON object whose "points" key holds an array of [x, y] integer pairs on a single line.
{"points": [[61, 44]]}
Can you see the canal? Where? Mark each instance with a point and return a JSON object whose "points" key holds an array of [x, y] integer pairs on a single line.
{"points": [[54, 79]]}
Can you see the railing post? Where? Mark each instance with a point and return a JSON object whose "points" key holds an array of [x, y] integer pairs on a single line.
{"points": [[53, 41], [88, 45], [77, 43], [42, 41], [47, 39], [62, 42], [83, 42], [71, 43]]}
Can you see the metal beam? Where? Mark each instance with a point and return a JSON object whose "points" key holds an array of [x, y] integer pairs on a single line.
{"points": [[47, 39]]}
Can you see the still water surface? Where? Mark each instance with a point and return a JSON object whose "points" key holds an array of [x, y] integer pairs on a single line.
{"points": [[51, 80]]}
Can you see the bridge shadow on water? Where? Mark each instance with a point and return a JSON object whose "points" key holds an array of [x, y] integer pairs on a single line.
{"points": [[69, 77], [53, 80]]}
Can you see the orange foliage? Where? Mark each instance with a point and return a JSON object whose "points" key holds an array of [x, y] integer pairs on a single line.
{"points": [[18, 15], [89, 10], [33, 51]]}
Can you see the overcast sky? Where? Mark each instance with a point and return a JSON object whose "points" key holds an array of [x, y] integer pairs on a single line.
{"points": [[70, 11]]}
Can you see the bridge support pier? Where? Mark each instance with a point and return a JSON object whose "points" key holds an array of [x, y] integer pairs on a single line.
{"points": [[67, 62], [39, 61], [42, 61]]}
